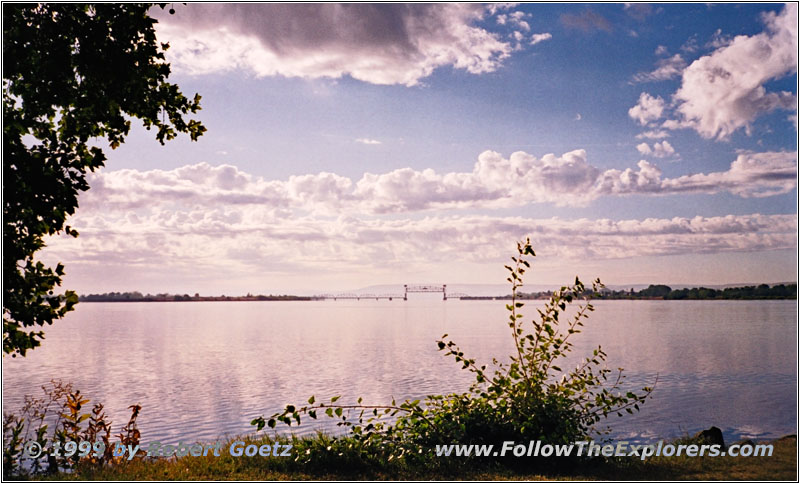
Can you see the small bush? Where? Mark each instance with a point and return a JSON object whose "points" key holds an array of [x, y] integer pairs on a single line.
{"points": [[527, 398], [56, 419]]}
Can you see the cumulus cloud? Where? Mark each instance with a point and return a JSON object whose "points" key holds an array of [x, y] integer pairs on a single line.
{"points": [[643, 148], [249, 242], [668, 68], [376, 43], [494, 182], [536, 38], [517, 19], [691, 45], [750, 175], [718, 39], [725, 90], [215, 223], [653, 134], [647, 109], [660, 149]]}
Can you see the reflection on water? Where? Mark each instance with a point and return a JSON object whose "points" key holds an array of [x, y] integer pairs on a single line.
{"points": [[203, 370]]}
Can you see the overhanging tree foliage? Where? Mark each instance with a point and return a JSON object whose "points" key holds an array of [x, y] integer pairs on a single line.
{"points": [[74, 75]]}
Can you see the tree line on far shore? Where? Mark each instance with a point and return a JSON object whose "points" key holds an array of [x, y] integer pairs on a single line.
{"points": [[653, 291], [137, 296], [660, 291]]}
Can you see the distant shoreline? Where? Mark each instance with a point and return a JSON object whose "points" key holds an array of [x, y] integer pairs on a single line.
{"points": [[666, 293], [653, 292], [178, 298]]}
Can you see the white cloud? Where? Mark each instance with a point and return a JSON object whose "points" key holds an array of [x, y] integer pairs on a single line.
{"points": [[516, 18], [668, 68], [663, 149], [725, 90], [718, 40], [647, 109], [215, 223], [660, 149], [690, 46], [494, 182], [367, 141], [249, 242], [380, 43], [750, 175], [661, 50], [653, 134], [536, 38]]}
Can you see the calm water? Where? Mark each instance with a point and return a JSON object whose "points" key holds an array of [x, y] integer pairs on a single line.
{"points": [[203, 370]]}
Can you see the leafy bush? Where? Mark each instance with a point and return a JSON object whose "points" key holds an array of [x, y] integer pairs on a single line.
{"points": [[58, 418], [527, 398]]}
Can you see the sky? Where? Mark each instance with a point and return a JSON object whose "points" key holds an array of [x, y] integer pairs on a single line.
{"points": [[358, 144]]}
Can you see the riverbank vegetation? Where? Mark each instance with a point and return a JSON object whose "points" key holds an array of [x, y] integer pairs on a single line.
{"points": [[526, 397], [762, 291], [337, 457], [137, 296], [660, 291], [781, 466], [60, 106]]}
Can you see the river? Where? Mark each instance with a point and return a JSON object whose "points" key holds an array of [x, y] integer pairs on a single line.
{"points": [[203, 370]]}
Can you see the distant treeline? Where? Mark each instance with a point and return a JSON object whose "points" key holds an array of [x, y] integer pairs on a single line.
{"points": [[137, 296], [660, 291]]}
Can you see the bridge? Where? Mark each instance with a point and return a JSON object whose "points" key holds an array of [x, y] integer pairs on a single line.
{"points": [[404, 296]]}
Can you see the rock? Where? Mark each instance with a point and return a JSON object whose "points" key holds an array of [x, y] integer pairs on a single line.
{"points": [[711, 436], [745, 443]]}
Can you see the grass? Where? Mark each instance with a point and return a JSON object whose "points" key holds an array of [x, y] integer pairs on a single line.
{"points": [[782, 465]]}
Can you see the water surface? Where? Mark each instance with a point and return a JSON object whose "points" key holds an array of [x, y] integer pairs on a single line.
{"points": [[203, 370]]}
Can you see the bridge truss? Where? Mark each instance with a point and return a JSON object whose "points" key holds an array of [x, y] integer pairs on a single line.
{"points": [[407, 288], [425, 288]]}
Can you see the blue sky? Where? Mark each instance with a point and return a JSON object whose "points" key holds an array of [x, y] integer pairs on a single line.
{"points": [[362, 144]]}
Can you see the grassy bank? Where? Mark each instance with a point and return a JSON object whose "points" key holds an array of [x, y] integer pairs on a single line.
{"points": [[782, 465]]}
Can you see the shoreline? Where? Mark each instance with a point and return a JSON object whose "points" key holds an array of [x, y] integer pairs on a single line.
{"points": [[780, 466], [368, 298]]}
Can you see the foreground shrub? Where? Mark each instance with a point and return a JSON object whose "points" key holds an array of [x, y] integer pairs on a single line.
{"points": [[58, 419], [529, 397]]}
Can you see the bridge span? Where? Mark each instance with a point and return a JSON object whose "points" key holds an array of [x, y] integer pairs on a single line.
{"points": [[404, 296]]}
